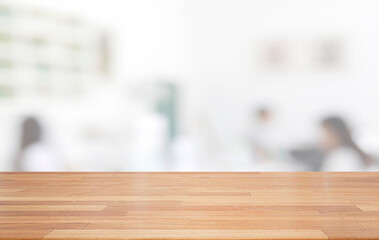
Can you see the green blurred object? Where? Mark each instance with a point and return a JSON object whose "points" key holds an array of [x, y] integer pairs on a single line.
{"points": [[5, 11], [6, 91], [5, 37], [5, 64], [38, 41], [167, 106]]}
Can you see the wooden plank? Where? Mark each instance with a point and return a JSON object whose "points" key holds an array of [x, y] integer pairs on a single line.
{"points": [[28, 208], [9, 190], [348, 234], [370, 225], [369, 207], [189, 206], [187, 234]]}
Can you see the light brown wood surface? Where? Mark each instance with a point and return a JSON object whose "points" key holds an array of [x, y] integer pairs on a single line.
{"points": [[189, 206]]}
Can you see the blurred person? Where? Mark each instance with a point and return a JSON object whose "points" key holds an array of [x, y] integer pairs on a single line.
{"points": [[342, 153], [34, 153], [263, 138]]}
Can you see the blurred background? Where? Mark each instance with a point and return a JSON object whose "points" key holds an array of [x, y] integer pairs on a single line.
{"points": [[189, 85]]}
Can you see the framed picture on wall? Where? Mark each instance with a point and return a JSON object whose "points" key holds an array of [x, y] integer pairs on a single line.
{"points": [[273, 56], [329, 54]]}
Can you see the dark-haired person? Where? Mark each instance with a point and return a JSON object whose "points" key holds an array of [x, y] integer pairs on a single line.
{"points": [[343, 154], [34, 153]]}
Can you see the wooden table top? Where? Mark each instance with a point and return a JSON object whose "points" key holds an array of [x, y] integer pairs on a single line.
{"points": [[189, 206]]}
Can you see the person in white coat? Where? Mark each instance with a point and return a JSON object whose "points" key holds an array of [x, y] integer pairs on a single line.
{"points": [[342, 153], [263, 137]]}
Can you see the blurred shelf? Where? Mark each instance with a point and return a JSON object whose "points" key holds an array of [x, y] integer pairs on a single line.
{"points": [[36, 44]]}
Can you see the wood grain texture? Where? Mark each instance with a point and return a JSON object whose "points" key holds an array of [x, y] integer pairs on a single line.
{"points": [[189, 206]]}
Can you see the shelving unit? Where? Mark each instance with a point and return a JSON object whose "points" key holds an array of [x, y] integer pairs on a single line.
{"points": [[46, 54]]}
